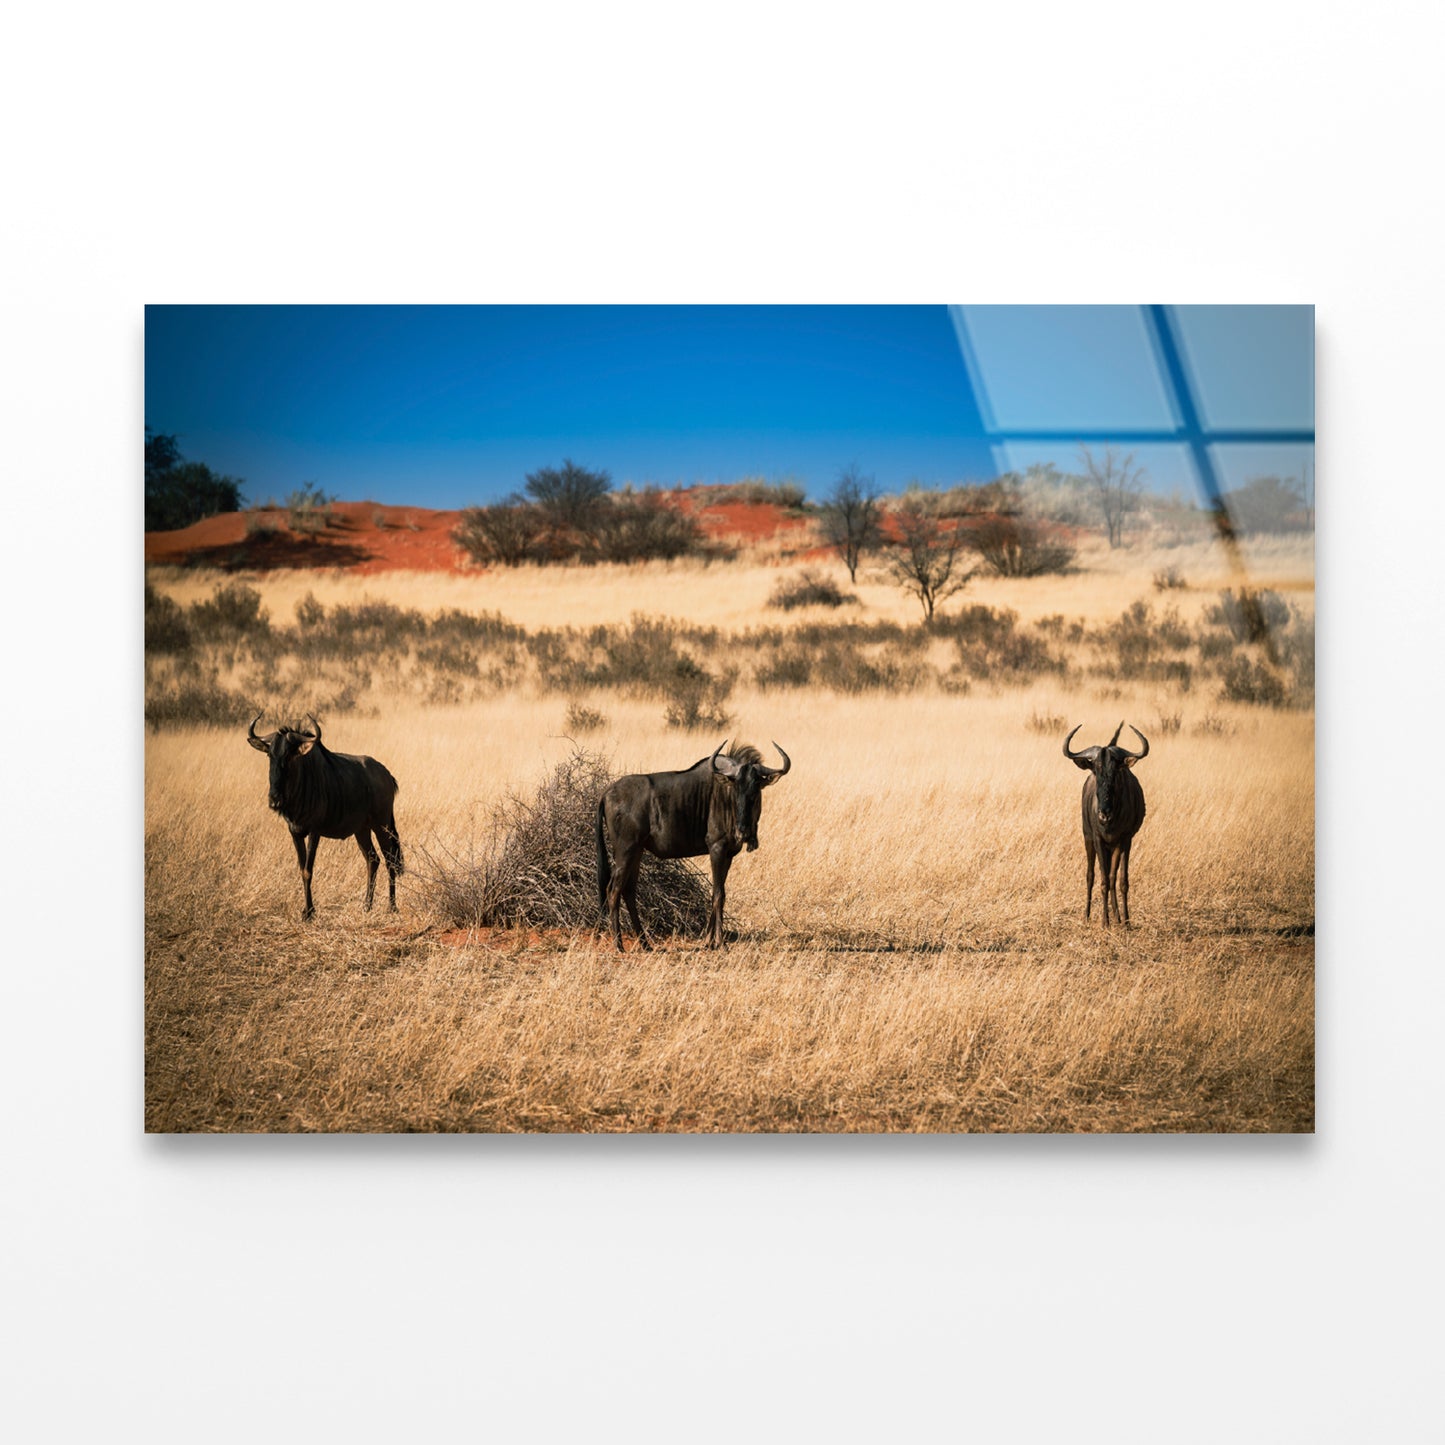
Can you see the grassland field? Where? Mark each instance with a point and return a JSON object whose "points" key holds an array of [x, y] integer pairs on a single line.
{"points": [[910, 950]]}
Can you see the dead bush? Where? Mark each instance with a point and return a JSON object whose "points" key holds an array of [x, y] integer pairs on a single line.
{"points": [[539, 870]]}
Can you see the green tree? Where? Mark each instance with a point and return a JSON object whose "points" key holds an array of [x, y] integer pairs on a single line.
{"points": [[178, 492]]}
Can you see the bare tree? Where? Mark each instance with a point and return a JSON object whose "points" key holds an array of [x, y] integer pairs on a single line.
{"points": [[850, 518], [1115, 484], [927, 562]]}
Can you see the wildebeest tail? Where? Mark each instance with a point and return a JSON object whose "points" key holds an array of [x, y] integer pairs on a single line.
{"points": [[604, 863]]}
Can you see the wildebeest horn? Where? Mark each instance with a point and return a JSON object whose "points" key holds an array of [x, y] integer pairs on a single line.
{"points": [[1114, 740], [262, 745], [772, 775], [1135, 756], [726, 766], [1085, 757], [316, 726]]}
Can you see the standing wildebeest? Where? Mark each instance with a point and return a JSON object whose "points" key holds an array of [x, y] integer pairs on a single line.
{"points": [[711, 807], [1113, 808], [322, 794]]}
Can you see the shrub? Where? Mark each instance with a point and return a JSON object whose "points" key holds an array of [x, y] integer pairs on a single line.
{"points": [[642, 527], [1211, 725], [448, 655], [309, 612], [1168, 579], [989, 644], [1250, 616], [540, 870], [1297, 652], [1018, 547], [754, 490], [506, 533], [646, 658], [1047, 722], [696, 698], [569, 498], [261, 524], [373, 626], [308, 509], [196, 700], [1167, 724], [165, 623], [584, 719], [1248, 681], [788, 667], [809, 589], [234, 610]]}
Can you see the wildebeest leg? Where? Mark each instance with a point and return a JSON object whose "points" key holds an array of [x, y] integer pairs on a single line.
{"points": [[1106, 876], [1123, 871], [363, 841], [305, 860], [1116, 862], [629, 896], [390, 841], [721, 862], [624, 886], [1088, 877]]}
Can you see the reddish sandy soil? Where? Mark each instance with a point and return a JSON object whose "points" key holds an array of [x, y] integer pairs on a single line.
{"points": [[368, 537], [364, 536]]}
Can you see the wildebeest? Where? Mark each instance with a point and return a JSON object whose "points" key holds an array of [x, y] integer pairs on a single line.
{"points": [[321, 794], [1113, 810], [712, 807]]}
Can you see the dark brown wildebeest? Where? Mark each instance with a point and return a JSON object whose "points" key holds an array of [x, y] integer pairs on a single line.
{"points": [[321, 794], [711, 807], [1113, 810]]}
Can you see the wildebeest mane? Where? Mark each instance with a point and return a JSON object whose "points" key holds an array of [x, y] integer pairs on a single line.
{"points": [[739, 753]]}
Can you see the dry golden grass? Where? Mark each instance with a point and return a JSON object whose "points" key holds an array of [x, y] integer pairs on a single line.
{"points": [[912, 953]]}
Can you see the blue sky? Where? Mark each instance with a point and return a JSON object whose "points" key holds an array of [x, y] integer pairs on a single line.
{"points": [[447, 406]]}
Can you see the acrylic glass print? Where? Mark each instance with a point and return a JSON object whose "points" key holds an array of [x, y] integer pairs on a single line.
{"points": [[729, 719]]}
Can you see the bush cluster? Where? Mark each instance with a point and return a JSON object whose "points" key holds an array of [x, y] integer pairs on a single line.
{"points": [[342, 652], [569, 513]]}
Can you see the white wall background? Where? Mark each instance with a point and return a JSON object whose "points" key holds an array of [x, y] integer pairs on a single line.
{"points": [[714, 1289]]}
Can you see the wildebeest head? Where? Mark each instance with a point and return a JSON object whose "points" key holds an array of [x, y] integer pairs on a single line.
{"points": [[1108, 764], [284, 747], [748, 775]]}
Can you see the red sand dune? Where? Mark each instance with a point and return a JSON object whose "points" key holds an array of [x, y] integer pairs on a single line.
{"points": [[368, 537]]}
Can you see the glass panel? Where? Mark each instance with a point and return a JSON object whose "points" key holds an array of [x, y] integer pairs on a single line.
{"points": [[1251, 366], [1050, 368]]}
